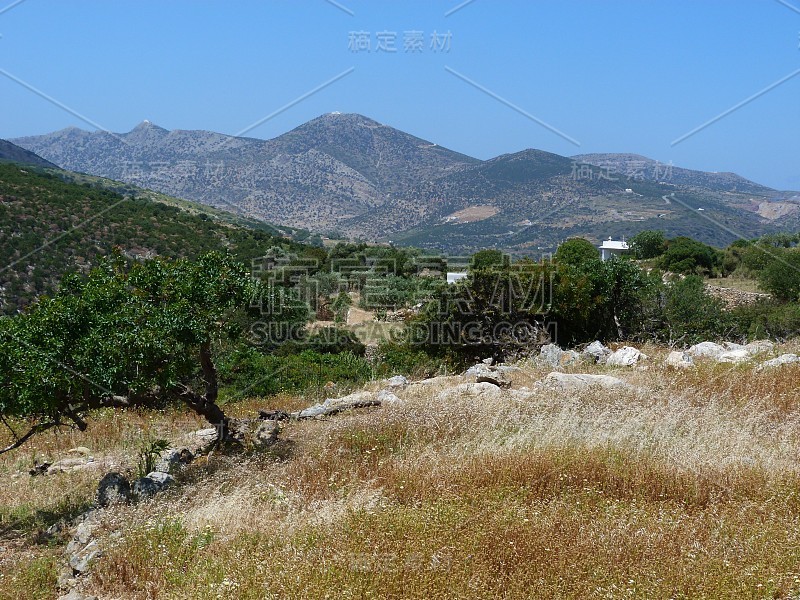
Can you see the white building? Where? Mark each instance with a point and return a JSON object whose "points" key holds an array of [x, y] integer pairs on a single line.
{"points": [[454, 276], [611, 248]]}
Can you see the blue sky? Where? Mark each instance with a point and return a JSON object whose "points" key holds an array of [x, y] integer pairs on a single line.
{"points": [[614, 75]]}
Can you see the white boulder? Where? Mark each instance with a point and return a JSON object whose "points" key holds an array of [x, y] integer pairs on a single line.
{"points": [[627, 356]]}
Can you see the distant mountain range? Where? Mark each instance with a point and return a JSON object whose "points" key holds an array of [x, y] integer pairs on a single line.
{"points": [[350, 174], [12, 153]]}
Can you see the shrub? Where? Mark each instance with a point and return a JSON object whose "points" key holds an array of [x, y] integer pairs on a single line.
{"points": [[648, 244]]}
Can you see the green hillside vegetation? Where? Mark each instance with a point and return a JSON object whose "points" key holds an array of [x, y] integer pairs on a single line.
{"points": [[50, 225]]}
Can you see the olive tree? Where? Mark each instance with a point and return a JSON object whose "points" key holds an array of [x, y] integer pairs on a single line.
{"points": [[122, 336]]}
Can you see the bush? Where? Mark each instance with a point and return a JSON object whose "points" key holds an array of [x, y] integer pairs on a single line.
{"points": [[768, 320], [576, 251], [648, 244], [692, 315], [781, 276], [687, 256]]}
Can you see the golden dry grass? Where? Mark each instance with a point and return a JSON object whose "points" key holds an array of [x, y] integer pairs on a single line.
{"points": [[685, 486]]}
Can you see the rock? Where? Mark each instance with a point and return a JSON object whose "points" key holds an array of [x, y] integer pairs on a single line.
{"points": [[151, 484], [735, 356], [82, 560], [114, 488], [70, 464], [759, 346], [201, 442], [783, 359], [730, 346], [265, 435], [575, 382], [331, 406], [488, 361], [477, 391], [596, 352], [173, 459], [706, 349], [486, 374], [679, 360], [76, 595], [83, 535], [80, 450], [554, 356], [388, 397], [398, 381], [626, 356]]}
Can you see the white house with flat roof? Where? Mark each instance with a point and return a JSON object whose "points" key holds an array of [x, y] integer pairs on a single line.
{"points": [[611, 248]]}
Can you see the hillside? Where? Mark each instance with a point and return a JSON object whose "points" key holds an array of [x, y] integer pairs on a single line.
{"points": [[349, 173], [656, 483], [12, 153], [50, 225]]}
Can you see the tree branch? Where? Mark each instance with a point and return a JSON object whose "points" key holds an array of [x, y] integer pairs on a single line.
{"points": [[38, 428]]}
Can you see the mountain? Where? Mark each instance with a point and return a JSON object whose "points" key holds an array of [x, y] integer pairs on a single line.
{"points": [[636, 166], [322, 173], [50, 225], [12, 153], [349, 173]]}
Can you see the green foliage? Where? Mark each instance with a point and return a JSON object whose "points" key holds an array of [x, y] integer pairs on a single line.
{"points": [[692, 315], [576, 251], [687, 256], [487, 259], [341, 305], [771, 320], [149, 455], [249, 372], [54, 227], [648, 244], [781, 275], [327, 340], [140, 333]]}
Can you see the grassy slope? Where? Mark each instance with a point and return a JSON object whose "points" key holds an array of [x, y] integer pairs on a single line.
{"points": [[685, 489], [49, 226]]}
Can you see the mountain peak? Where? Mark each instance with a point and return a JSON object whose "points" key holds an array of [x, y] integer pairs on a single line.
{"points": [[147, 125]]}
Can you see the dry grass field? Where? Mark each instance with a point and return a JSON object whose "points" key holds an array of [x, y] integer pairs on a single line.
{"points": [[685, 485]]}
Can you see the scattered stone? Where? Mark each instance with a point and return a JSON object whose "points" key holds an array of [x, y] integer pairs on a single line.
{"points": [[151, 484], [173, 459], [68, 465], [706, 349], [554, 356], [597, 352], [76, 595], [82, 560], [388, 397], [627, 356], [477, 391], [679, 360], [735, 356], [575, 382], [398, 381], [80, 450], [114, 488], [201, 442], [783, 359], [265, 435], [486, 374], [331, 406], [759, 346], [731, 346]]}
